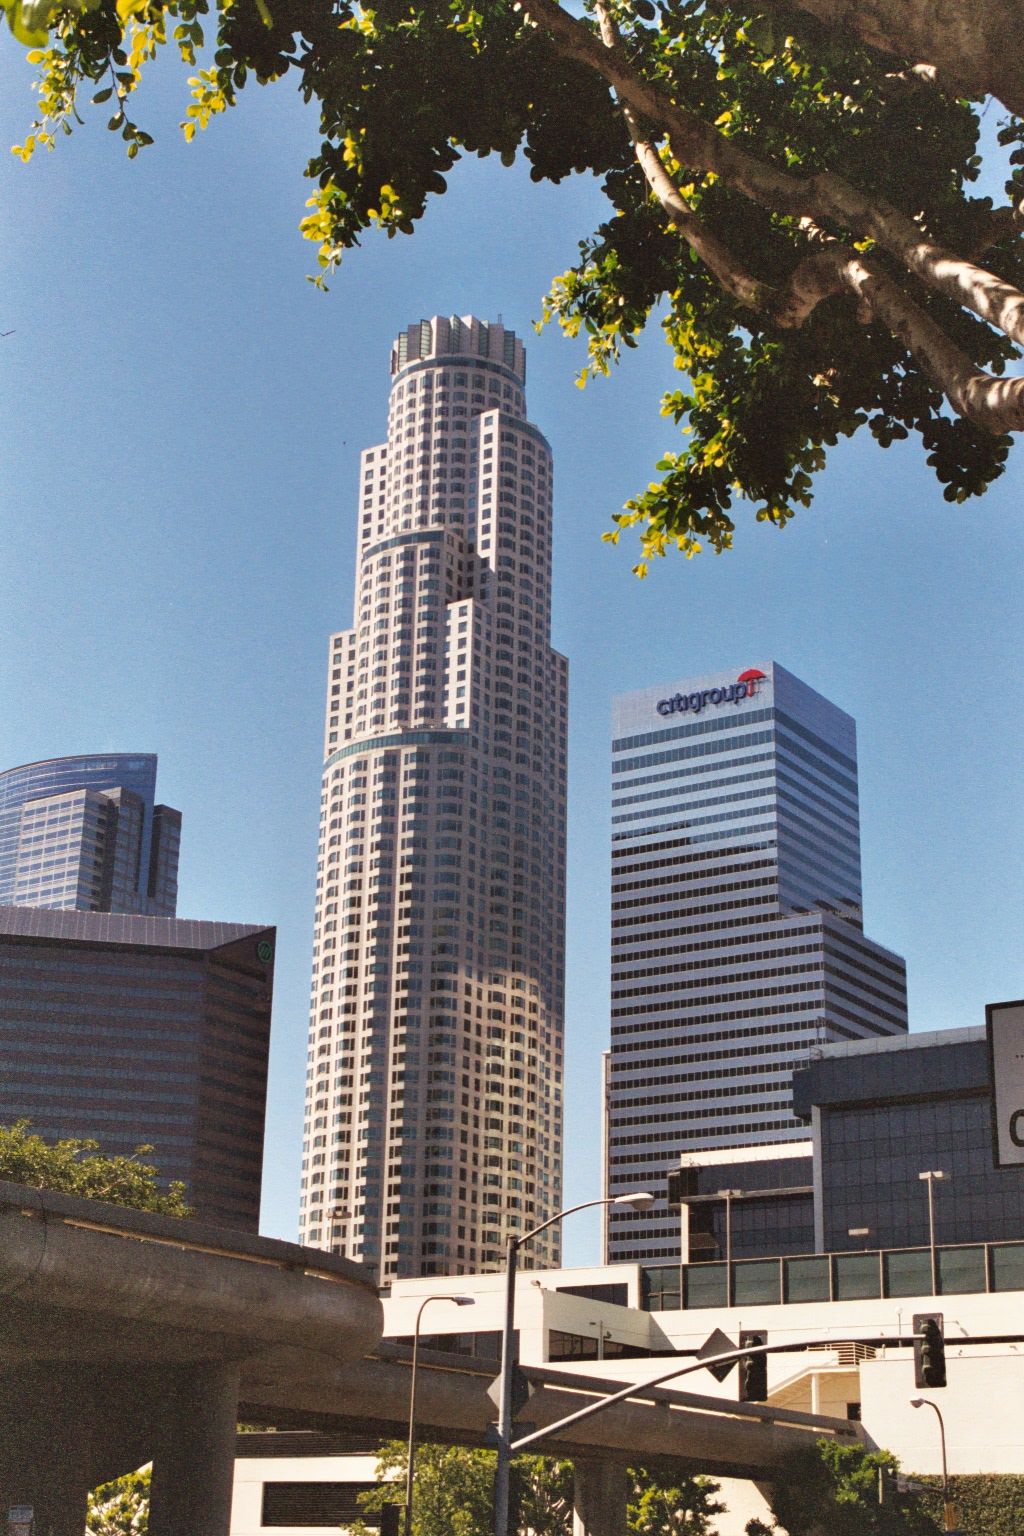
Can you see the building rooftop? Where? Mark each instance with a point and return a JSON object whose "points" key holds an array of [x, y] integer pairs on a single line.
{"points": [[921, 1041], [121, 928]]}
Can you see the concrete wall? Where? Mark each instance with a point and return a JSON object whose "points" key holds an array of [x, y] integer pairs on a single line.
{"points": [[983, 1407]]}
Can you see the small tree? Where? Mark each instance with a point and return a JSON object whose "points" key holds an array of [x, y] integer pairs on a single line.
{"points": [[28, 1159], [544, 1490], [120, 1508], [832, 1490], [452, 1494], [669, 1505]]}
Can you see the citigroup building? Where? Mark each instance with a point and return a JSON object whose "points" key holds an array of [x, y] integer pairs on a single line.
{"points": [[737, 936]]}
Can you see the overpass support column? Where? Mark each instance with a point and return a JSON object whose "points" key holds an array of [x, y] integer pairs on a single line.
{"points": [[600, 1491], [194, 1454]]}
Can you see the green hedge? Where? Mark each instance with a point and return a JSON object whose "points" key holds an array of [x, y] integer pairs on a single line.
{"points": [[989, 1504]]}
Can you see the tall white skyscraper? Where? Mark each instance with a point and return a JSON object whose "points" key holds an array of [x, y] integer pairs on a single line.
{"points": [[737, 939], [435, 1075]]}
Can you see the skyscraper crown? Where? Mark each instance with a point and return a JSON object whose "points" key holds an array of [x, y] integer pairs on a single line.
{"points": [[465, 337]]}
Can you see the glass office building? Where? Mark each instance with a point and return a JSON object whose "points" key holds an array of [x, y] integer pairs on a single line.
{"points": [[737, 939], [84, 834], [434, 1081], [137, 1031], [880, 1113]]}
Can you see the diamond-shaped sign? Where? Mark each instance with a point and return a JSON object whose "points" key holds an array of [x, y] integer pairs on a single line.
{"points": [[717, 1343], [522, 1390]]}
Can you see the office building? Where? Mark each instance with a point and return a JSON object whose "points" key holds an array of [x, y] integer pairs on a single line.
{"points": [[137, 1031], [434, 1085], [877, 1115], [84, 834], [737, 939], [881, 1113]]}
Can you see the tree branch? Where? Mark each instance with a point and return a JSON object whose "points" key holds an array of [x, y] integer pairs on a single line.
{"points": [[967, 49], [996, 405], [826, 198], [733, 277]]}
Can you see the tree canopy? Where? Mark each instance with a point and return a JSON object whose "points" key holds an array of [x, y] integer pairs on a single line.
{"points": [[75, 1167], [834, 1489], [453, 1495], [789, 185], [120, 1508]]}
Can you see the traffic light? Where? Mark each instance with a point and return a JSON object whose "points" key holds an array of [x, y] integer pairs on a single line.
{"points": [[929, 1350], [390, 1519], [754, 1370]]}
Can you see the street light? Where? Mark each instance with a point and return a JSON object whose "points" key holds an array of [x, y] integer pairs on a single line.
{"points": [[640, 1201], [458, 1301], [930, 1175], [729, 1195], [948, 1512]]}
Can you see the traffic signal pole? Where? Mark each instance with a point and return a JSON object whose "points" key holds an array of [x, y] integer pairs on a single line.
{"points": [[638, 1389]]}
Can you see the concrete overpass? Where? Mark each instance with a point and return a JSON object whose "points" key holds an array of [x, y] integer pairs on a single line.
{"points": [[127, 1337]]}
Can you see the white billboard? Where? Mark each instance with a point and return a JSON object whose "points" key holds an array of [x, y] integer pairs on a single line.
{"points": [[1005, 1025]]}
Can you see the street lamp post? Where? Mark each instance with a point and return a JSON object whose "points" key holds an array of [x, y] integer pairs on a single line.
{"points": [[929, 1176], [948, 1515], [728, 1195], [459, 1301], [640, 1201]]}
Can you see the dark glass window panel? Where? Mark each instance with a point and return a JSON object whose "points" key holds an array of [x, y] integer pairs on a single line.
{"points": [[618, 1295], [807, 1279], [1008, 1267], [961, 1271], [756, 1283], [704, 1285], [856, 1276], [660, 1288], [570, 1346], [909, 1273]]}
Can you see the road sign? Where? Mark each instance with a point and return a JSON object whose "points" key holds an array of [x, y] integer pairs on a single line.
{"points": [[522, 1390], [1005, 1027], [717, 1343]]}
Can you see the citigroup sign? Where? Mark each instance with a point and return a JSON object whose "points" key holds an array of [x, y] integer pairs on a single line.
{"points": [[746, 686]]}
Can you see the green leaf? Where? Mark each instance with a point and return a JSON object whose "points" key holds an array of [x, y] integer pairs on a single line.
{"points": [[103, 95], [29, 36]]}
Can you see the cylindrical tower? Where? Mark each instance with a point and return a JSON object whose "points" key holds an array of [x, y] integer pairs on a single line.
{"points": [[435, 1072]]}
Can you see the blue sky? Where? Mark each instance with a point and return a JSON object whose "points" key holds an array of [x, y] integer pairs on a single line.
{"points": [[183, 414]]}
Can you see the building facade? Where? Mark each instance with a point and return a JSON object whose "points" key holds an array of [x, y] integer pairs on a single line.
{"points": [[435, 1075], [84, 834], [737, 940], [881, 1113], [137, 1031]]}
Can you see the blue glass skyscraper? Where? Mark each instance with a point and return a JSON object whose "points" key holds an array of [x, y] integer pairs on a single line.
{"points": [[84, 833], [737, 939]]}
